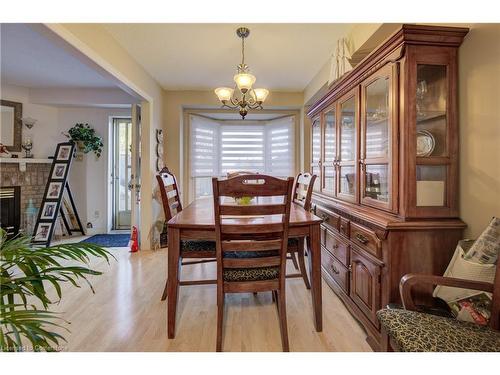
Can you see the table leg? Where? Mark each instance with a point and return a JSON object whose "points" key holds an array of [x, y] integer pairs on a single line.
{"points": [[315, 272], [173, 278]]}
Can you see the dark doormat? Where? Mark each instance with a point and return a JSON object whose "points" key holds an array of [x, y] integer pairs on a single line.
{"points": [[109, 240]]}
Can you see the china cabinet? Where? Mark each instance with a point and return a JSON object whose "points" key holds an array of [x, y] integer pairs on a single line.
{"points": [[384, 144]]}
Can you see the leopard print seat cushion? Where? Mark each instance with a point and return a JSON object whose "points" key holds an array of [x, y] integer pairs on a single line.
{"points": [[250, 274], [418, 332], [293, 242], [198, 245]]}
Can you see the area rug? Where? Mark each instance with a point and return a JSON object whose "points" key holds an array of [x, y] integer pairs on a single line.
{"points": [[109, 240]]}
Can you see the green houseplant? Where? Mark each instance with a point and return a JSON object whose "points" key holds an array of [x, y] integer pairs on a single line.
{"points": [[86, 136], [25, 276]]}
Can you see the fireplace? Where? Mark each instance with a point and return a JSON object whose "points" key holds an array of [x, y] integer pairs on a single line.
{"points": [[10, 209]]}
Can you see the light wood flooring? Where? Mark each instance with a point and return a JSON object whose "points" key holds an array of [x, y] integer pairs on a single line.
{"points": [[126, 314]]}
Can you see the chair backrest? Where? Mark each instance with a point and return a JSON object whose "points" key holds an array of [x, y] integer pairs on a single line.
{"points": [[304, 184], [495, 303], [169, 191], [259, 226], [239, 173]]}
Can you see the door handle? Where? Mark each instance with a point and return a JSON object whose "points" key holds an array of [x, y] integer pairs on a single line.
{"points": [[361, 238]]}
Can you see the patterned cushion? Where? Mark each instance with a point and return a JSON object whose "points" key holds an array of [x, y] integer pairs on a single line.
{"points": [[251, 274], [197, 245], [418, 332], [293, 242]]}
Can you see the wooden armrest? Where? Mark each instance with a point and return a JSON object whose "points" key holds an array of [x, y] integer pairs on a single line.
{"points": [[407, 281]]}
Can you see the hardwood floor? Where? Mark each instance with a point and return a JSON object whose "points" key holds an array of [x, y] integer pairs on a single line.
{"points": [[126, 313]]}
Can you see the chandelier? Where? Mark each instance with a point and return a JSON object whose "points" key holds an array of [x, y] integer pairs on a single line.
{"points": [[247, 97]]}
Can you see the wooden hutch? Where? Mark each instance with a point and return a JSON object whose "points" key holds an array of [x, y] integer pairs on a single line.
{"points": [[385, 150]]}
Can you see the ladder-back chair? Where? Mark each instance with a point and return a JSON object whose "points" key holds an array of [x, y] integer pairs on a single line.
{"points": [[201, 250], [252, 248], [301, 195]]}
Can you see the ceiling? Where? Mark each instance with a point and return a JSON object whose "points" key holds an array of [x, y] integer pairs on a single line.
{"points": [[30, 59], [204, 56]]}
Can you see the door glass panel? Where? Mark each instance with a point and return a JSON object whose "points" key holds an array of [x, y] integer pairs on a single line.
{"points": [[122, 173], [431, 185], [348, 130], [347, 180], [376, 182], [431, 103], [316, 141], [329, 177], [377, 118], [330, 136]]}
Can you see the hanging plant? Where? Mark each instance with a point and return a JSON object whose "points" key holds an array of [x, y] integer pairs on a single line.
{"points": [[86, 138]]}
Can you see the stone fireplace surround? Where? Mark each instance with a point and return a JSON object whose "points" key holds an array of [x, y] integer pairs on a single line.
{"points": [[32, 183]]}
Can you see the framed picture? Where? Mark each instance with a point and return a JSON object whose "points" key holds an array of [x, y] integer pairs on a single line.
{"points": [[42, 232], [59, 171], [64, 152], [49, 210], [55, 189]]}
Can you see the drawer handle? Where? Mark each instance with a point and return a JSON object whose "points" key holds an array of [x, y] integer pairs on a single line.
{"points": [[361, 238], [325, 217], [335, 271], [335, 247]]}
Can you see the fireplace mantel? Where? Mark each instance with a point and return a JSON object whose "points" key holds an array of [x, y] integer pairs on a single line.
{"points": [[23, 161]]}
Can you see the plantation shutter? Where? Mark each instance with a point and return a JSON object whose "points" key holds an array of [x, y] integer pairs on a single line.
{"points": [[280, 139], [204, 147], [242, 148]]}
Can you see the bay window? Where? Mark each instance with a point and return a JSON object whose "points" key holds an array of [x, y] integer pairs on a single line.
{"points": [[217, 148]]}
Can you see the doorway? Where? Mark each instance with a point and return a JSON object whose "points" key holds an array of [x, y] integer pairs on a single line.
{"points": [[121, 173]]}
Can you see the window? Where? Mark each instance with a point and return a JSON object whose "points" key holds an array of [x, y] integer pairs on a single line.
{"points": [[221, 147]]}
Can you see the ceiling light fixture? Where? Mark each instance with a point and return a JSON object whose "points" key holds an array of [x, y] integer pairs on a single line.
{"points": [[248, 98]]}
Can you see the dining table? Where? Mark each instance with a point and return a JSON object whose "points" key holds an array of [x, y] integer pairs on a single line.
{"points": [[196, 222]]}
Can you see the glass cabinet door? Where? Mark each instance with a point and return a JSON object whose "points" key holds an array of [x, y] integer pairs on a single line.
{"points": [[376, 140], [316, 152], [329, 151], [431, 137], [347, 168]]}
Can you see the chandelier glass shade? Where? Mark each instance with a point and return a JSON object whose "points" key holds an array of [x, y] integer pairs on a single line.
{"points": [[243, 96]]}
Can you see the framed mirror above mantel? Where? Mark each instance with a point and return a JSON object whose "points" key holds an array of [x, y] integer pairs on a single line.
{"points": [[11, 126]]}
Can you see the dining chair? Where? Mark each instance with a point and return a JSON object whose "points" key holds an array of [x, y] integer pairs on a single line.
{"points": [[251, 252], [302, 194], [201, 250], [411, 330], [239, 173]]}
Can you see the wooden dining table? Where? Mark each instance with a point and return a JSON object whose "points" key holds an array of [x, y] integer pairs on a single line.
{"points": [[196, 222]]}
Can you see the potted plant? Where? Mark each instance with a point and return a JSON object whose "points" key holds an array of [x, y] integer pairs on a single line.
{"points": [[26, 323], [86, 139]]}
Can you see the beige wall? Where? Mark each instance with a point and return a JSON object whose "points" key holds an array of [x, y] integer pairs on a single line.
{"points": [[97, 46], [174, 103], [479, 109]]}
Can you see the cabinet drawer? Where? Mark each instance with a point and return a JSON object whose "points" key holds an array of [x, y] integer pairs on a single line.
{"points": [[330, 219], [335, 269], [344, 226], [338, 247], [366, 239]]}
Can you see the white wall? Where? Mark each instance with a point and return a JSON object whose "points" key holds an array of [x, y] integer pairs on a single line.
{"points": [[46, 132], [89, 178]]}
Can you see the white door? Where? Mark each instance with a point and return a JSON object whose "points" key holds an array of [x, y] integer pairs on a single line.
{"points": [[135, 177]]}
